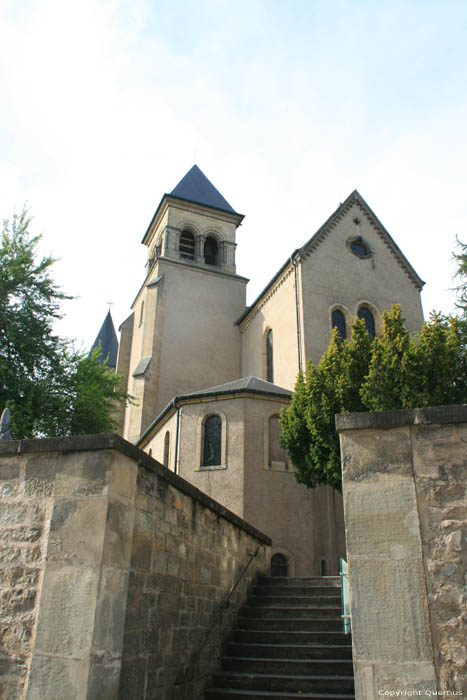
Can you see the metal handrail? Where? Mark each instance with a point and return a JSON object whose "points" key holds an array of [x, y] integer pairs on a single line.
{"points": [[217, 617]]}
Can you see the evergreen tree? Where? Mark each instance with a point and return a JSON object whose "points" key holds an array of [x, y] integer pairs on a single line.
{"points": [[394, 370], [50, 388]]}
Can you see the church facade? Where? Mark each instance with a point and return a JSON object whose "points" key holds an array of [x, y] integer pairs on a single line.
{"points": [[211, 375]]}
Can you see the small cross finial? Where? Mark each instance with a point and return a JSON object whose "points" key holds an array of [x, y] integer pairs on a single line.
{"points": [[109, 304]]}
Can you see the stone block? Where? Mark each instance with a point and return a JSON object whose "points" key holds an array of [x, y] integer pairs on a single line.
{"points": [[40, 475], [389, 611], [104, 679], [143, 542], [57, 678], [376, 455], [110, 612], [9, 470], [118, 534], [67, 611], [382, 519], [81, 474], [418, 677], [122, 481], [77, 531]]}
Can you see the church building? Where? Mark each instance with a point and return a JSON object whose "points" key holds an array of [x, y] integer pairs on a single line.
{"points": [[210, 374]]}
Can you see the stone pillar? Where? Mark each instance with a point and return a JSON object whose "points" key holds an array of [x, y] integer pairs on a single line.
{"points": [[78, 646], [403, 485]]}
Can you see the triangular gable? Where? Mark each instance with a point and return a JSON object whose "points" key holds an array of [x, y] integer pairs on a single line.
{"points": [[356, 198]]}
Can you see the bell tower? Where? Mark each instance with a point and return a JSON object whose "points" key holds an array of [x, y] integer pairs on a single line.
{"points": [[181, 336]]}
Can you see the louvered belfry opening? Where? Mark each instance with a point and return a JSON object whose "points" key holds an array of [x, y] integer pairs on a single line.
{"points": [[187, 245]]}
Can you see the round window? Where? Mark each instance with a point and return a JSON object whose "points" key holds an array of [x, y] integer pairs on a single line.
{"points": [[359, 247]]}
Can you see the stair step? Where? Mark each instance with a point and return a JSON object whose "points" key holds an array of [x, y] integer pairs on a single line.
{"points": [[283, 682], [289, 624], [291, 651], [294, 591], [330, 581], [232, 693], [291, 611], [290, 637], [289, 667], [300, 601]]}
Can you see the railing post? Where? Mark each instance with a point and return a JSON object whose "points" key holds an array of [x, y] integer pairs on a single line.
{"points": [[345, 596]]}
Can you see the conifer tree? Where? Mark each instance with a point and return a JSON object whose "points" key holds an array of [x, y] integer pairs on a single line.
{"points": [[395, 370]]}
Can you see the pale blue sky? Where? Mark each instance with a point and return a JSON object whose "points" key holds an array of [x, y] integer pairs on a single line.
{"points": [[285, 106]]}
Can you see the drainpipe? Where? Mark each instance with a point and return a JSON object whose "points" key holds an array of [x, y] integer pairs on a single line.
{"points": [[176, 439], [297, 309]]}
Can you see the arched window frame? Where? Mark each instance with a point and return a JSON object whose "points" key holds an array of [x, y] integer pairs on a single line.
{"points": [[347, 317], [268, 355], [200, 441], [374, 311], [212, 237], [167, 446], [288, 555], [270, 465]]}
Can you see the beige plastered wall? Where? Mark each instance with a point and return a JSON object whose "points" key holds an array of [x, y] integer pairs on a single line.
{"points": [[332, 276], [305, 524], [276, 311], [188, 331]]}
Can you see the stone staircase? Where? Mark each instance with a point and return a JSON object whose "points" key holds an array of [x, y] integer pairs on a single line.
{"points": [[288, 644]]}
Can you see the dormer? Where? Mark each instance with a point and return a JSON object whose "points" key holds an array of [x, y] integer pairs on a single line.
{"points": [[194, 225]]}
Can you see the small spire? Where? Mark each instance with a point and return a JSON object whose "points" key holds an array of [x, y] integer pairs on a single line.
{"points": [[107, 338]]}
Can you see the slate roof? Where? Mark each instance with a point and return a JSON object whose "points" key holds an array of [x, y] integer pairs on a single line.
{"points": [[251, 384], [108, 340], [195, 187]]}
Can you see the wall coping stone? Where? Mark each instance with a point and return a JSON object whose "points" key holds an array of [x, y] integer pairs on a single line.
{"points": [[81, 443], [393, 419]]}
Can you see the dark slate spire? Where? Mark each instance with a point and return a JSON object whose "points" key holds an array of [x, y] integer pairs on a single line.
{"points": [[108, 341], [195, 187]]}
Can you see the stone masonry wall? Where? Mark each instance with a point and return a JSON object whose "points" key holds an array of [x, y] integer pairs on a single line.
{"points": [[25, 507], [186, 557], [404, 479], [111, 571]]}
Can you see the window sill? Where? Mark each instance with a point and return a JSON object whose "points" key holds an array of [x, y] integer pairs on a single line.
{"points": [[215, 467]]}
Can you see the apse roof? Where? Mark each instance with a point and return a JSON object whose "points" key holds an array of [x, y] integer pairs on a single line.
{"points": [[248, 385], [253, 384], [108, 341], [195, 187]]}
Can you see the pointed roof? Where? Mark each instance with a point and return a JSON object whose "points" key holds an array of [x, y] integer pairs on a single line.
{"points": [[108, 342], [195, 187]]}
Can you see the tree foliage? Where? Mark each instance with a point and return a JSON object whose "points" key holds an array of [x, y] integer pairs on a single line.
{"points": [[394, 370], [50, 388]]}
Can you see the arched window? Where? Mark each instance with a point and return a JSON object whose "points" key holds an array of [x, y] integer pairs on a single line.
{"points": [[338, 321], [279, 565], [324, 567], [276, 452], [211, 251], [166, 449], [212, 441], [269, 357], [187, 245], [141, 314], [365, 313]]}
